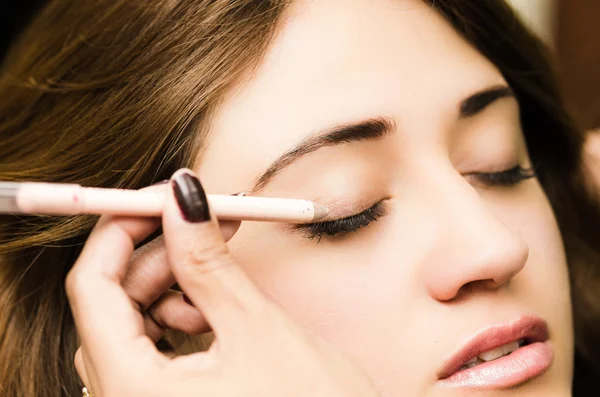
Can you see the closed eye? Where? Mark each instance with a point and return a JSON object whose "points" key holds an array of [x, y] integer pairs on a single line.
{"points": [[344, 225], [353, 223], [506, 178]]}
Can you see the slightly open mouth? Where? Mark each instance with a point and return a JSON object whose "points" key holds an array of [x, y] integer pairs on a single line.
{"points": [[494, 354]]}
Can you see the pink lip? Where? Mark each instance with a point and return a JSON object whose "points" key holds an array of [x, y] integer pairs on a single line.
{"points": [[525, 363]]}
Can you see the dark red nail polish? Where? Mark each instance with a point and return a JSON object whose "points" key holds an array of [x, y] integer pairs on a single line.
{"points": [[191, 198]]}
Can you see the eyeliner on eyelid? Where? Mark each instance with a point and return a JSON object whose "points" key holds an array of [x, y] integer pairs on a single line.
{"points": [[343, 225]]}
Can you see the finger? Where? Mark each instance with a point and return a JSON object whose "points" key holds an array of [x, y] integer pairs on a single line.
{"points": [[229, 229], [200, 260], [109, 327], [149, 274], [170, 311]]}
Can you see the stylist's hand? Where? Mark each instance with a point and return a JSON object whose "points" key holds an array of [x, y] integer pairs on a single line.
{"points": [[259, 351]]}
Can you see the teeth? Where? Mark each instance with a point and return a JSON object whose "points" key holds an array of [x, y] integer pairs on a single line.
{"points": [[499, 351], [471, 361], [493, 354], [510, 347], [469, 365]]}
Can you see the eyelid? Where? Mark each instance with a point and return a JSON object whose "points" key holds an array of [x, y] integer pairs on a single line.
{"points": [[344, 213], [341, 207], [345, 225], [507, 177]]}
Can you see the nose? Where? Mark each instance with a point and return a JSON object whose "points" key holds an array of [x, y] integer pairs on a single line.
{"points": [[470, 246]]}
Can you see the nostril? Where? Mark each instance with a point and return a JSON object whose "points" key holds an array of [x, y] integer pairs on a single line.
{"points": [[480, 285], [495, 284]]}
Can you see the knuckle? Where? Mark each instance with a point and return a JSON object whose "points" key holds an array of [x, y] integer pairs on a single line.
{"points": [[157, 314], [74, 284], [207, 258], [153, 249], [78, 361]]}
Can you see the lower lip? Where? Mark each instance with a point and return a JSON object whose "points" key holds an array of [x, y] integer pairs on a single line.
{"points": [[523, 364]]}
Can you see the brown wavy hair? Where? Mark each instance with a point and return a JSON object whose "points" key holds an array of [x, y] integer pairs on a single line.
{"points": [[119, 93]]}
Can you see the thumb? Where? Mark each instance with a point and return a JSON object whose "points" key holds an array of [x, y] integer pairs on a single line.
{"points": [[200, 259]]}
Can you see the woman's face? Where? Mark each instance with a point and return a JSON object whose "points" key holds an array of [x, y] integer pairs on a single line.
{"points": [[382, 107]]}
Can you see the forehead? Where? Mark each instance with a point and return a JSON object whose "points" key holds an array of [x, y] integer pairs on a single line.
{"points": [[339, 61]]}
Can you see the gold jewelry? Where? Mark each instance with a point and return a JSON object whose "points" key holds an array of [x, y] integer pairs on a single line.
{"points": [[86, 393]]}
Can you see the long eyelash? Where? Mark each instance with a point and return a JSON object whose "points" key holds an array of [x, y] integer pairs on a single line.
{"points": [[509, 177], [344, 225]]}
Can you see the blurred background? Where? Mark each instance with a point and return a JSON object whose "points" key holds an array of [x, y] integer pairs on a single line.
{"points": [[570, 27]]}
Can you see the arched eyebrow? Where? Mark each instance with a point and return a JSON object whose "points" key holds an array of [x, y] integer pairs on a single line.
{"points": [[480, 100], [370, 130], [366, 130]]}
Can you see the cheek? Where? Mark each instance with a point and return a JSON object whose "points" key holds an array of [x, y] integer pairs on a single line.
{"points": [[546, 271], [337, 292], [544, 281], [318, 284], [357, 297]]}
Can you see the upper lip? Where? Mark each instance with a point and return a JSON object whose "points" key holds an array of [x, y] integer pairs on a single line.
{"points": [[530, 328]]}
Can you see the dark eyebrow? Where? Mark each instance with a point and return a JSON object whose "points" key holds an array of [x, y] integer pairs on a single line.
{"points": [[372, 129], [474, 104], [367, 130]]}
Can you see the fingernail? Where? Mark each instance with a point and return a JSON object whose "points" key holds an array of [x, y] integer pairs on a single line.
{"points": [[160, 182], [191, 198], [187, 300]]}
